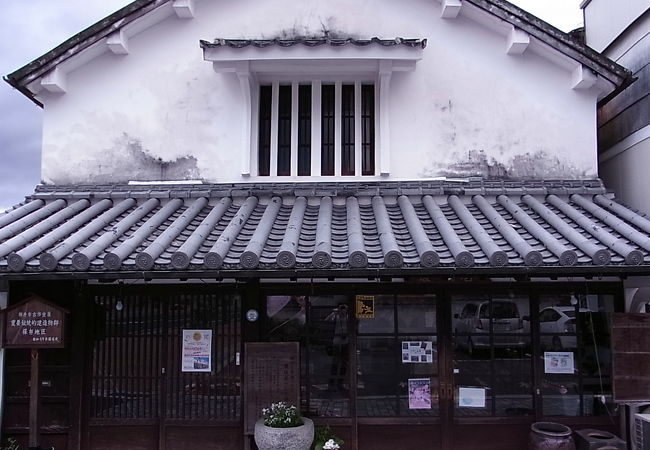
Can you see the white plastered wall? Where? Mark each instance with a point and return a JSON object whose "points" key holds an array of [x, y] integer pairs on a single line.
{"points": [[469, 108]]}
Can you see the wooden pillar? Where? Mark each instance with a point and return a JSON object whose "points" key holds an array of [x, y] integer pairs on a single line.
{"points": [[4, 294], [251, 330], [34, 400], [80, 347], [252, 300]]}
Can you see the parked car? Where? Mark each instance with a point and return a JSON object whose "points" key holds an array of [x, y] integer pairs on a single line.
{"points": [[472, 327], [561, 320]]}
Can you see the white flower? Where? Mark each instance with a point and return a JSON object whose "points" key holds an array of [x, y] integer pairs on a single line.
{"points": [[331, 445]]}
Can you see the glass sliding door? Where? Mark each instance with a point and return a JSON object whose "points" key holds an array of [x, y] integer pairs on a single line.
{"points": [[575, 348], [492, 369], [397, 358], [321, 325]]}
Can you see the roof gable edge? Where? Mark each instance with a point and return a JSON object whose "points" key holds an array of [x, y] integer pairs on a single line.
{"points": [[77, 43], [557, 39], [501, 9]]}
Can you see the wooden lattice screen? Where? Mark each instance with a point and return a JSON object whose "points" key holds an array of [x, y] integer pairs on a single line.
{"points": [[136, 364]]}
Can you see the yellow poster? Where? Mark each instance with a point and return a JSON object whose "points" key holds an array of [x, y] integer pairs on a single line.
{"points": [[365, 306]]}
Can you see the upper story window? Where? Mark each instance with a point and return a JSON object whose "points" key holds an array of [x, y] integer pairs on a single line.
{"points": [[315, 107], [316, 128]]}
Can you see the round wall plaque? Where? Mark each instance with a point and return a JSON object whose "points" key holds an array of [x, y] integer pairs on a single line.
{"points": [[252, 315]]}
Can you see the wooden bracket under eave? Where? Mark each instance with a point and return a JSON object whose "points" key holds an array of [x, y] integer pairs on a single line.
{"points": [[118, 43], [184, 9], [450, 9], [55, 81], [518, 41], [583, 78]]}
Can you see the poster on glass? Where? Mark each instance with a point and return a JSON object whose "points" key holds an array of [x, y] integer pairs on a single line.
{"points": [[558, 362], [417, 352], [419, 393]]}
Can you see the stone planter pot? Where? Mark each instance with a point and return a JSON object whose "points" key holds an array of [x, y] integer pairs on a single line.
{"points": [[295, 438]]}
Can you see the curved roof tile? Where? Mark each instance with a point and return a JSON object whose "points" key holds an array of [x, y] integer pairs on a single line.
{"points": [[569, 227]]}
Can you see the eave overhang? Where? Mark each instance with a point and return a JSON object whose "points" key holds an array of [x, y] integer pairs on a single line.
{"points": [[320, 55], [316, 230]]}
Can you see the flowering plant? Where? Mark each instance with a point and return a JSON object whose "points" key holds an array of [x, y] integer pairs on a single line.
{"points": [[282, 415], [325, 439], [331, 445]]}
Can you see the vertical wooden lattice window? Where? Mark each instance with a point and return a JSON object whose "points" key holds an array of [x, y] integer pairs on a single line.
{"points": [[284, 131], [264, 142], [346, 115], [204, 395], [304, 130], [368, 129], [347, 129], [127, 357], [327, 130], [136, 359]]}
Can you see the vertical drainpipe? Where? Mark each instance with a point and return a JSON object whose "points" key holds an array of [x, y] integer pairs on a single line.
{"points": [[4, 298]]}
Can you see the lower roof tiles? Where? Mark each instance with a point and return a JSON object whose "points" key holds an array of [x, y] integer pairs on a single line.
{"points": [[416, 226]]}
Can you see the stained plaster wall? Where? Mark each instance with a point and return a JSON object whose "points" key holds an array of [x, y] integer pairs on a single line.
{"points": [[469, 108]]}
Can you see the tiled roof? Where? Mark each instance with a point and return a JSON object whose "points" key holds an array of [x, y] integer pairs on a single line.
{"points": [[423, 227], [312, 42]]}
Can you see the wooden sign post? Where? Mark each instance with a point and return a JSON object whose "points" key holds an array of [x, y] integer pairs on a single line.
{"points": [[34, 323], [271, 374]]}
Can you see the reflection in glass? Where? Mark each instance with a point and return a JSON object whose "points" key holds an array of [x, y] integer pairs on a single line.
{"points": [[376, 360], [397, 368], [320, 324], [481, 323], [492, 356], [417, 314], [576, 325]]}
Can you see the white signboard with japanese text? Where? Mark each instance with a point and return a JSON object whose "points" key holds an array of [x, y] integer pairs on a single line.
{"points": [[196, 351]]}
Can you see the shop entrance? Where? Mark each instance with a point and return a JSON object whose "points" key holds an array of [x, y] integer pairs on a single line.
{"points": [[372, 365], [144, 391], [449, 368]]}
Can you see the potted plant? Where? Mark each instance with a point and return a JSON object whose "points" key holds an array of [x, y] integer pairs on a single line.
{"points": [[283, 428], [325, 439]]}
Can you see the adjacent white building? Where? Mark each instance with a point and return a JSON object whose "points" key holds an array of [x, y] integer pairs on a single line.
{"points": [[621, 31]]}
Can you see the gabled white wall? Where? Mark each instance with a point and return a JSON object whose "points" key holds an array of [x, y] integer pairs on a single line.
{"points": [[469, 108]]}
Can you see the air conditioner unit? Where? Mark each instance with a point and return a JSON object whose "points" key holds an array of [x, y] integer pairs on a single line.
{"points": [[641, 432]]}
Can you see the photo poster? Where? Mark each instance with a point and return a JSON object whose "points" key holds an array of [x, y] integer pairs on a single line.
{"points": [[417, 352], [419, 393], [469, 397], [558, 362], [196, 351]]}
